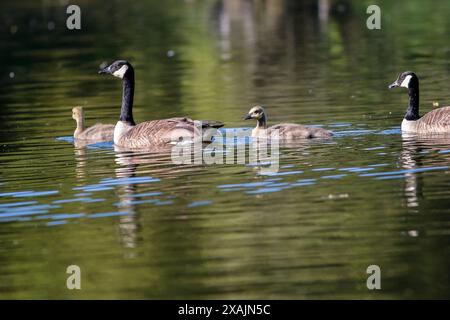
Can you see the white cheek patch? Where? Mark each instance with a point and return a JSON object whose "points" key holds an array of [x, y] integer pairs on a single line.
{"points": [[121, 72], [405, 82]]}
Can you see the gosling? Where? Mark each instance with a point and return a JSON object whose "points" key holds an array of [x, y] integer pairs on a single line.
{"points": [[97, 133], [285, 131]]}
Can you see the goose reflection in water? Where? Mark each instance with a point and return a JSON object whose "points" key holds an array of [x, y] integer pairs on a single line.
{"points": [[80, 157], [129, 224], [134, 164], [412, 160]]}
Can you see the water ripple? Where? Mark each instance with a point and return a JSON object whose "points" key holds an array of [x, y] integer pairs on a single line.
{"points": [[108, 183]]}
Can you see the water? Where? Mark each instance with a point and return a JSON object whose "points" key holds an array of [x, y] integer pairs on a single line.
{"points": [[141, 227]]}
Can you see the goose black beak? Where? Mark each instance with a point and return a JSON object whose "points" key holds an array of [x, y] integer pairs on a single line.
{"points": [[393, 85], [104, 70], [247, 117]]}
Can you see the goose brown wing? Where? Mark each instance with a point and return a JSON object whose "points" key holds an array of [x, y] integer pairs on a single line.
{"points": [[298, 131], [437, 118], [98, 131], [285, 128], [157, 132]]}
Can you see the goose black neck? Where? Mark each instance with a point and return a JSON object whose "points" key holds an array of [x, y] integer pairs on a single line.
{"points": [[126, 112], [262, 122], [412, 112]]}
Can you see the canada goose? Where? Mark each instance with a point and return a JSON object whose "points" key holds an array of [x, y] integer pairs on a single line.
{"points": [[98, 132], [435, 121], [286, 131], [151, 133]]}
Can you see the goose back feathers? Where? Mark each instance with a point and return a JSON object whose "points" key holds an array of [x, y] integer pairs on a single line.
{"points": [[161, 132], [292, 131]]}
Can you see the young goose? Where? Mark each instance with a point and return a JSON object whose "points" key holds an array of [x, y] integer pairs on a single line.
{"points": [[435, 121], [154, 133], [99, 132], [286, 131]]}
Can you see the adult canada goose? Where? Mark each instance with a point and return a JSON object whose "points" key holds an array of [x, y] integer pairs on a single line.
{"points": [[435, 121], [98, 132], [286, 131], [154, 133]]}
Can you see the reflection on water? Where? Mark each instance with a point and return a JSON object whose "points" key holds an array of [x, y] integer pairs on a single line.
{"points": [[413, 161], [140, 226]]}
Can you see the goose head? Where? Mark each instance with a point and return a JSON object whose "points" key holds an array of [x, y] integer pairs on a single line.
{"points": [[119, 69], [77, 113], [257, 112], [406, 79]]}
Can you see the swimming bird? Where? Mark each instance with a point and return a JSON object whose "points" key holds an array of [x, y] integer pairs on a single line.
{"points": [[155, 133], [435, 121], [286, 131], [98, 132]]}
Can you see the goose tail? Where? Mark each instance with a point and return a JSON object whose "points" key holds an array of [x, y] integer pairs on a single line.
{"points": [[212, 124]]}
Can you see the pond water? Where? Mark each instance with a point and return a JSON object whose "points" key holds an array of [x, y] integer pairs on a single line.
{"points": [[140, 226]]}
